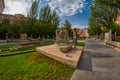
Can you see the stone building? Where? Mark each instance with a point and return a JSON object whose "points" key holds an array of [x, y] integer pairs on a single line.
{"points": [[1, 6], [82, 32], [85, 32], [12, 18]]}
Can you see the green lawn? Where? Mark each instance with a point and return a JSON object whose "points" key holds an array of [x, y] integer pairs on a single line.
{"points": [[80, 44], [16, 48], [81, 38], [32, 66]]}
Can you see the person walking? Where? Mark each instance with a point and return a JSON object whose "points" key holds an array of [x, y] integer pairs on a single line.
{"points": [[74, 38]]}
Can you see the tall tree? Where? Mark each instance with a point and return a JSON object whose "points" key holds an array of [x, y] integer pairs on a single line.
{"points": [[32, 15], [49, 21], [4, 27], [54, 21], [94, 27], [104, 14], [45, 14], [67, 25], [15, 29]]}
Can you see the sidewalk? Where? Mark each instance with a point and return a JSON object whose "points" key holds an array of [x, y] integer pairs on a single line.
{"points": [[99, 62]]}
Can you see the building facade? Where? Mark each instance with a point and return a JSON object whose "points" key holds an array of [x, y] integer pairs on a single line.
{"points": [[12, 18], [1, 6], [82, 32]]}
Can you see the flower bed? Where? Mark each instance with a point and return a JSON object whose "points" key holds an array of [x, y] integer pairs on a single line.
{"points": [[26, 44]]}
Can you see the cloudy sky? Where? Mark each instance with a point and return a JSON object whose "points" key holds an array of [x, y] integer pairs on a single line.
{"points": [[76, 11]]}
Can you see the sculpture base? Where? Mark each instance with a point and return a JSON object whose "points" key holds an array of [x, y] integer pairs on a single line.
{"points": [[65, 49], [70, 58]]}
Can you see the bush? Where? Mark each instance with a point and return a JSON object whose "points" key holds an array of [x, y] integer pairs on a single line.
{"points": [[117, 39]]}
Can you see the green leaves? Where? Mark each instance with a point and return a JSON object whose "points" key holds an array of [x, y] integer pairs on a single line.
{"points": [[36, 24], [111, 3], [33, 13], [67, 25], [49, 21], [101, 15]]}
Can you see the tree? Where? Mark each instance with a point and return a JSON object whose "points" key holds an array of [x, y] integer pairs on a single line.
{"points": [[32, 15], [14, 29], [116, 28], [94, 27], [45, 19], [104, 14], [112, 3], [54, 21], [67, 25], [49, 21], [4, 28], [45, 14]]}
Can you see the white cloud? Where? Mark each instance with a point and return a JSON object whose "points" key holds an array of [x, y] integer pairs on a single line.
{"points": [[46, 0], [63, 7], [67, 7], [17, 6], [78, 26]]}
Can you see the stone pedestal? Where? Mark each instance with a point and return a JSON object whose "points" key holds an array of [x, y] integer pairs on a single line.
{"points": [[107, 37], [70, 58]]}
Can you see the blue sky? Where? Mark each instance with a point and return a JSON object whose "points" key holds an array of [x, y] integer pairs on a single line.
{"points": [[76, 11]]}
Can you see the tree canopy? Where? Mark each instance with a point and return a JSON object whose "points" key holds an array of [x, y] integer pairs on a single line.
{"points": [[102, 15], [67, 25]]}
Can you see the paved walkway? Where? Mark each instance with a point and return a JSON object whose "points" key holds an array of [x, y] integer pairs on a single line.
{"points": [[98, 62]]}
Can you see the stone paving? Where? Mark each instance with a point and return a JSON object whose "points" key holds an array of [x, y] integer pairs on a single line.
{"points": [[99, 62]]}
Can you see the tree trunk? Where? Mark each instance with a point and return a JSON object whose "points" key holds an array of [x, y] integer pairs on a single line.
{"points": [[110, 35]]}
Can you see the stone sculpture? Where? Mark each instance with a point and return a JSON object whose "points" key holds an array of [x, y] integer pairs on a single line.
{"points": [[62, 40]]}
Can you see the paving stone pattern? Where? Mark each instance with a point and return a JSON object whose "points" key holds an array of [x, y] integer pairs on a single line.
{"points": [[98, 62]]}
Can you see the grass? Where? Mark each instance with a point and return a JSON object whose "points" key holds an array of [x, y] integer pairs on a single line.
{"points": [[22, 49], [81, 44], [11, 49], [81, 38], [32, 66], [7, 46]]}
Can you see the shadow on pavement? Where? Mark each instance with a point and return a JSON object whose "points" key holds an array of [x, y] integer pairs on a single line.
{"points": [[85, 62]]}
